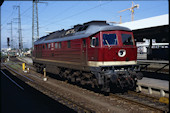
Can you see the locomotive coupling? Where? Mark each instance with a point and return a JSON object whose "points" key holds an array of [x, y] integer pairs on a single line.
{"points": [[137, 75], [111, 75]]}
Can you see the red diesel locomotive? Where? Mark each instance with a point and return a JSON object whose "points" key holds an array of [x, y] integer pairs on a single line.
{"points": [[95, 53]]}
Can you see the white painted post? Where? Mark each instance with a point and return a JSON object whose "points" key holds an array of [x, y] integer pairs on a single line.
{"points": [[150, 90], [162, 93], [28, 69], [140, 88], [45, 78]]}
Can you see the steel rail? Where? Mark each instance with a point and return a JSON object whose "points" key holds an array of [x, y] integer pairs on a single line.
{"points": [[138, 103], [124, 98], [61, 99], [156, 99]]}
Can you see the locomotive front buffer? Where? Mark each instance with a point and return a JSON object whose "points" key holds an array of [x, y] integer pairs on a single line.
{"points": [[117, 78]]}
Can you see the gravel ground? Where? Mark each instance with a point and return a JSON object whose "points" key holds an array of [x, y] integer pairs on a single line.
{"points": [[89, 99]]}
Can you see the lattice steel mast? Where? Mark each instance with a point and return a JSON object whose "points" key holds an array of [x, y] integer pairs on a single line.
{"points": [[35, 24], [19, 31]]}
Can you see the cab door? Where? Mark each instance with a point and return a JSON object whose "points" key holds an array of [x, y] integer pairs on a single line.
{"points": [[93, 48]]}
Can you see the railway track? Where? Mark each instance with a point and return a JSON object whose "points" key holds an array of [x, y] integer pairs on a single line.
{"points": [[20, 63], [40, 86], [144, 102]]}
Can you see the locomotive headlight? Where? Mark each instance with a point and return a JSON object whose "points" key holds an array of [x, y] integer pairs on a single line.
{"points": [[122, 53]]}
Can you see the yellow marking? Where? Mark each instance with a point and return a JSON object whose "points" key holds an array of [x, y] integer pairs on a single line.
{"points": [[164, 100], [23, 66]]}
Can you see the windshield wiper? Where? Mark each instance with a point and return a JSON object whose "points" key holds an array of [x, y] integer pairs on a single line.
{"points": [[108, 44]]}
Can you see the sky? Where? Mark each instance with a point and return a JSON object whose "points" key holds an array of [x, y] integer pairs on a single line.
{"points": [[57, 15]]}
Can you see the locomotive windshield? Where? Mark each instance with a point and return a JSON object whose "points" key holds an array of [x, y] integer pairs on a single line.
{"points": [[109, 39], [127, 39]]}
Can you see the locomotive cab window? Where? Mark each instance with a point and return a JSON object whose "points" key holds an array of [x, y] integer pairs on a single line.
{"points": [[109, 39], [94, 42], [127, 39]]}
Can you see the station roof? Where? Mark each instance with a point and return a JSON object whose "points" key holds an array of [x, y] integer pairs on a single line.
{"points": [[147, 22]]}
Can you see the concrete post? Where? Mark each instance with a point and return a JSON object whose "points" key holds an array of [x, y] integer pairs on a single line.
{"points": [[45, 78], [149, 90], [28, 69], [140, 88], [162, 93]]}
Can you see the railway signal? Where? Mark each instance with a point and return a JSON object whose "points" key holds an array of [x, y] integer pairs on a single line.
{"points": [[8, 42], [131, 9]]}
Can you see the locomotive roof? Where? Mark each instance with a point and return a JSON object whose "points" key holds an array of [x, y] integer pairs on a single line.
{"points": [[79, 31]]}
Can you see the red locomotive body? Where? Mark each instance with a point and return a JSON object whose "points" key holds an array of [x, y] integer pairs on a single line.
{"points": [[94, 53]]}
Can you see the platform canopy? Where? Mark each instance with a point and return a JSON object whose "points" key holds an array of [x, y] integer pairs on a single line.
{"points": [[150, 28], [147, 22]]}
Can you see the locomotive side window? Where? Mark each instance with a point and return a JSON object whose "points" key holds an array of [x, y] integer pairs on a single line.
{"points": [[94, 42], [49, 46], [46, 46], [59, 46], [84, 42], [56, 45], [52, 45], [68, 44], [127, 39], [109, 39], [43, 46]]}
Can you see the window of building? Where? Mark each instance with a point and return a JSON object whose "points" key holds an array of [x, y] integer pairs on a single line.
{"points": [[68, 44], [56, 45]]}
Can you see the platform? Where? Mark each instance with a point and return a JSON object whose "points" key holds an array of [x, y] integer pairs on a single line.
{"points": [[156, 66], [142, 56], [154, 61], [154, 83], [154, 87]]}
